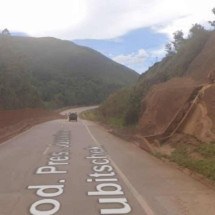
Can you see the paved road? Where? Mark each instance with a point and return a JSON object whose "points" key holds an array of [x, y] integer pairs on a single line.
{"points": [[78, 168]]}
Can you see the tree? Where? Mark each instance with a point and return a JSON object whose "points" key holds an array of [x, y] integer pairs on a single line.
{"points": [[178, 40], [6, 32], [169, 49], [196, 29], [213, 22]]}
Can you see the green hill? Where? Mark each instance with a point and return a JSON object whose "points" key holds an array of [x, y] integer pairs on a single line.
{"points": [[57, 73]]}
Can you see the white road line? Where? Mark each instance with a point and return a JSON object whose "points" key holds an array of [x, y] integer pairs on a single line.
{"points": [[94, 139], [46, 150], [132, 189]]}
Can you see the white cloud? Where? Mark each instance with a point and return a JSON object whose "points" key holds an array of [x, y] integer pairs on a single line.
{"points": [[142, 59], [196, 12], [101, 19], [158, 53], [41, 16], [132, 59]]}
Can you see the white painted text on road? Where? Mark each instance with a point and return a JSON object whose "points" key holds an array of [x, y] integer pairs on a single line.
{"points": [[107, 188], [48, 204]]}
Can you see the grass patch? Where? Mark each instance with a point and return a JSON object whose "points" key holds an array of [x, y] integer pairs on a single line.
{"points": [[204, 166], [96, 115], [116, 122], [92, 115], [207, 150]]}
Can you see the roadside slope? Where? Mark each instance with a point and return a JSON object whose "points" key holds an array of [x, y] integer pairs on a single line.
{"points": [[13, 122], [164, 100]]}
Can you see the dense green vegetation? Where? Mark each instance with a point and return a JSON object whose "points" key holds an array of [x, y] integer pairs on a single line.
{"points": [[204, 164], [56, 73], [180, 53], [16, 90], [113, 109]]}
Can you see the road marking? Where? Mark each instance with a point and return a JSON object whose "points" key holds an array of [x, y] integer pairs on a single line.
{"points": [[108, 186], [46, 150], [94, 139], [47, 204], [145, 206]]}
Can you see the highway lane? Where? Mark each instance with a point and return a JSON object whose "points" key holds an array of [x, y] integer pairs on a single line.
{"points": [[62, 167]]}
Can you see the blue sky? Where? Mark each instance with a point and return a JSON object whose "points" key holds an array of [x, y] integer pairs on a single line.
{"points": [[126, 49], [131, 32]]}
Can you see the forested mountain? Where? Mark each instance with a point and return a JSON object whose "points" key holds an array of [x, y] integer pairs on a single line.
{"points": [[38, 71]]}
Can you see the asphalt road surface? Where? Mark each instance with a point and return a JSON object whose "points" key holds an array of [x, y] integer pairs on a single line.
{"points": [[78, 168]]}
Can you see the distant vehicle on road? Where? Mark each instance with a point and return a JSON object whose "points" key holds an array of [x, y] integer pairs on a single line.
{"points": [[73, 116]]}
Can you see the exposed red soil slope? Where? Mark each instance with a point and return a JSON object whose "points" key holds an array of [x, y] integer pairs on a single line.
{"points": [[209, 99], [201, 122], [16, 121], [163, 102]]}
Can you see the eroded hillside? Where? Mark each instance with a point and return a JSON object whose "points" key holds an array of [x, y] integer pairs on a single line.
{"points": [[167, 97], [171, 110], [165, 100]]}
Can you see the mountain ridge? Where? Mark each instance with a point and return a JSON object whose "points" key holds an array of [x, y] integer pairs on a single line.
{"points": [[61, 72]]}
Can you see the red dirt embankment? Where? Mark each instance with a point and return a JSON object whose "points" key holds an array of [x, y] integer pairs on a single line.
{"points": [[163, 102], [13, 122], [167, 100], [201, 121]]}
